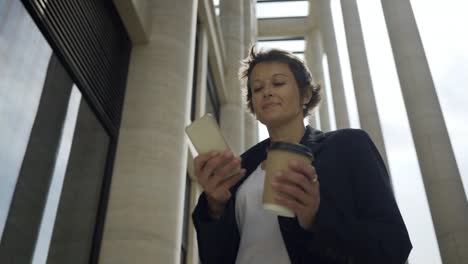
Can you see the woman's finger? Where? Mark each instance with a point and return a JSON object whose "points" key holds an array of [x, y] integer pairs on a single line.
{"points": [[303, 168], [293, 191], [226, 165], [295, 178], [292, 204], [215, 163], [226, 184], [222, 191], [200, 161], [234, 164]]}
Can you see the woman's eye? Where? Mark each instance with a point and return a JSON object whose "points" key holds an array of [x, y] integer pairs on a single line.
{"points": [[257, 89], [279, 84]]}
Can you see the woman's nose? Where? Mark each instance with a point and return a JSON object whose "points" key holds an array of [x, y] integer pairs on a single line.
{"points": [[267, 91]]}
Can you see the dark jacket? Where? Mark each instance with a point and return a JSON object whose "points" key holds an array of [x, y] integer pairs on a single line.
{"points": [[358, 220]]}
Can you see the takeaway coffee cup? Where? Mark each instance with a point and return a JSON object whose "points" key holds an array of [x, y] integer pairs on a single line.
{"points": [[278, 157]]}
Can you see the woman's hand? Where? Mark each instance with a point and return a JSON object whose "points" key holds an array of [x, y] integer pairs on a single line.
{"points": [[298, 190], [211, 170]]}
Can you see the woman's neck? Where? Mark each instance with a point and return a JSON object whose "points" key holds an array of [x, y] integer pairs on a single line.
{"points": [[291, 132]]}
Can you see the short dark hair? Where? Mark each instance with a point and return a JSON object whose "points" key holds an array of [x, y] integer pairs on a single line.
{"points": [[296, 65]]}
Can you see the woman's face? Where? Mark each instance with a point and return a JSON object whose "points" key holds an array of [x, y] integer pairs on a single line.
{"points": [[275, 94]]}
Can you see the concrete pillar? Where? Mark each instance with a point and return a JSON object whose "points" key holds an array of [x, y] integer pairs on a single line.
{"points": [[145, 210], [251, 130], [232, 110], [202, 72], [254, 21], [200, 110], [250, 25], [331, 49], [232, 126], [250, 32], [441, 177], [313, 56], [365, 98]]}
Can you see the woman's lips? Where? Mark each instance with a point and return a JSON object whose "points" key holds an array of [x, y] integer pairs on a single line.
{"points": [[268, 105]]}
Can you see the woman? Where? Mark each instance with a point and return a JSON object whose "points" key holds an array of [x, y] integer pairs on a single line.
{"points": [[344, 208]]}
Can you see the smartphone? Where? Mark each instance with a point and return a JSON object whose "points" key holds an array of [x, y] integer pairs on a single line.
{"points": [[206, 136]]}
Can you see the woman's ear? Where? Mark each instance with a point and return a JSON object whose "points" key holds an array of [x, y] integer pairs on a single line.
{"points": [[307, 95]]}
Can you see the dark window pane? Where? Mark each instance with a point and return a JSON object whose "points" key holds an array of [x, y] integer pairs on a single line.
{"points": [[76, 215], [23, 68], [212, 101]]}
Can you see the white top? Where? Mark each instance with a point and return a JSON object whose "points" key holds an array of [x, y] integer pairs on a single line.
{"points": [[261, 240]]}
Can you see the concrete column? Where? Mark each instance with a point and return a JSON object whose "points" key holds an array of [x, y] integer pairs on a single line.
{"points": [[250, 26], [232, 126], [314, 55], [202, 72], [145, 210], [250, 32], [331, 49], [251, 130], [365, 98], [232, 110], [254, 21], [441, 177], [200, 110]]}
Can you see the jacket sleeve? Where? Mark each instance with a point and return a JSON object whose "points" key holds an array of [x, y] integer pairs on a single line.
{"points": [[374, 232], [218, 240]]}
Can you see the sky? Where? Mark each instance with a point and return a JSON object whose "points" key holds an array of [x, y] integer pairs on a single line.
{"points": [[446, 45]]}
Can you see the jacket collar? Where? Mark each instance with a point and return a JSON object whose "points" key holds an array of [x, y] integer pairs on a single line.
{"points": [[312, 136]]}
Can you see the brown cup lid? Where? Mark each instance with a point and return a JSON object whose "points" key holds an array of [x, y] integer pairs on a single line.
{"points": [[296, 148]]}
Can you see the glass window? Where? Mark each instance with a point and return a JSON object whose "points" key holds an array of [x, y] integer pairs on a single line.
{"points": [[54, 150], [53, 197], [24, 58], [212, 102], [74, 225], [276, 9], [300, 55], [216, 6], [292, 45]]}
